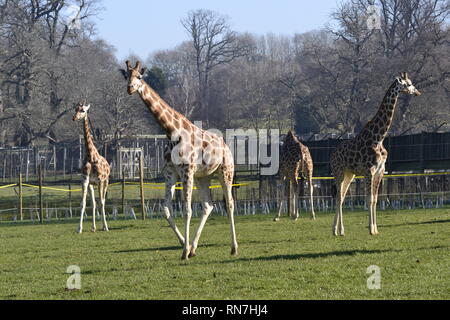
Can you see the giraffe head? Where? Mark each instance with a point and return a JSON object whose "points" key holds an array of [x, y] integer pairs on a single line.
{"points": [[291, 136], [81, 111], [135, 76], [406, 86]]}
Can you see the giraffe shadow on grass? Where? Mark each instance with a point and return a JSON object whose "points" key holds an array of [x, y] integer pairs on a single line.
{"points": [[168, 248], [317, 255], [415, 223]]}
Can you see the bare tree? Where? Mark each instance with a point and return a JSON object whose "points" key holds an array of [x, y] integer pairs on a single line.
{"points": [[215, 44], [36, 39]]}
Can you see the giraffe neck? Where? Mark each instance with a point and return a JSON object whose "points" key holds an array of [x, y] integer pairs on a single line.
{"points": [[168, 118], [377, 128], [91, 151]]}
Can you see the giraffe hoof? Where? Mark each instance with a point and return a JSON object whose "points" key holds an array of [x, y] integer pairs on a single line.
{"points": [[185, 255], [234, 252], [276, 219], [105, 229], [93, 230], [79, 231], [192, 254]]}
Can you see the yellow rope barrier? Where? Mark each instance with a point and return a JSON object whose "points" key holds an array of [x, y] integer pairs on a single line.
{"points": [[117, 183], [160, 185], [8, 186], [51, 188]]}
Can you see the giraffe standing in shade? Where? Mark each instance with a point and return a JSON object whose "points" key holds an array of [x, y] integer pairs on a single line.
{"points": [[95, 170], [295, 160], [365, 154], [192, 153]]}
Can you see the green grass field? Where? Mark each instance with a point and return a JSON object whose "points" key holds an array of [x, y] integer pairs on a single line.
{"points": [[284, 260]]}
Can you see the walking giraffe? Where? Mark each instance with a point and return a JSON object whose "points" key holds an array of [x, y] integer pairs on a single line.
{"points": [[365, 154], [295, 161], [192, 154], [95, 170]]}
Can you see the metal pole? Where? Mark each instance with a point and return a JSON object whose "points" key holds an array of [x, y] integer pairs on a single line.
{"points": [[141, 174], [41, 203], [123, 193], [20, 197]]}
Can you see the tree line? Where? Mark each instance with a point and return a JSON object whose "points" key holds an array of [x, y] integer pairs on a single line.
{"points": [[324, 81]]}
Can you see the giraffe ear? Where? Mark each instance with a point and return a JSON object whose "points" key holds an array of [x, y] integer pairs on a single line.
{"points": [[128, 63], [124, 73], [86, 108], [143, 71]]}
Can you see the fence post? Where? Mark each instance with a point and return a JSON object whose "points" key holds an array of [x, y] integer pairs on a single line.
{"points": [[123, 192], [20, 197], [54, 161], [64, 163], [141, 176], [70, 195], [41, 204]]}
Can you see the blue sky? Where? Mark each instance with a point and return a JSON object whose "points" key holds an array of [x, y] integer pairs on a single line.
{"points": [[144, 26]]}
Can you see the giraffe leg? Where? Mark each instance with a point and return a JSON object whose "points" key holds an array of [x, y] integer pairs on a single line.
{"points": [[207, 205], [342, 184], [188, 184], [290, 200], [377, 181], [311, 191], [278, 215], [103, 201], [338, 182], [294, 200], [85, 187], [370, 200], [94, 209], [171, 179], [227, 184]]}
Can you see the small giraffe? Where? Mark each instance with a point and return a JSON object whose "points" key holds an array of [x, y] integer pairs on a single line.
{"points": [[295, 160], [365, 154], [95, 170], [192, 153]]}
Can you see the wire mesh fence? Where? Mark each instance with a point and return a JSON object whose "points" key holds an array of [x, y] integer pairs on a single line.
{"points": [[48, 180], [397, 192]]}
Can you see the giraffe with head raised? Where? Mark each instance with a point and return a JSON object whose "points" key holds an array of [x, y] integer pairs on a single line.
{"points": [[365, 154], [295, 162], [192, 154], [95, 170]]}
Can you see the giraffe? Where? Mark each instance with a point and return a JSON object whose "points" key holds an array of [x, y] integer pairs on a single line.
{"points": [[192, 154], [365, 154], [95, 170], [295, 160]]}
